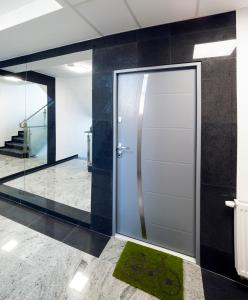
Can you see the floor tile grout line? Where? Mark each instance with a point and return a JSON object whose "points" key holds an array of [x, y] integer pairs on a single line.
{"points": [[41, 215], [224, 277], [69, 234], [63, 220]]}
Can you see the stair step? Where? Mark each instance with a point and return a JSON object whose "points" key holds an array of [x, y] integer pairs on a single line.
{"points": [[21, 133], [17, 139], [14, 145], [13, 152]]}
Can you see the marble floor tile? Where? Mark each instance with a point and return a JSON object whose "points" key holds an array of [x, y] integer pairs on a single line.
{"points": [[21, 214], [34, 266], [68, 183], [193, 287], [52, 227], [101, 285], [87, 240], [217, 287], [38, 267], [81, 238], [12, 165], [5, 206]]}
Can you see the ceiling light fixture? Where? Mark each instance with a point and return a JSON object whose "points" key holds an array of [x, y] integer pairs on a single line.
{"points": [[12, 78], [215, 49], [80, 68], [29, 11]]}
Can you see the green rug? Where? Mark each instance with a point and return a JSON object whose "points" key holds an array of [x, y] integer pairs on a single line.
{"points": [[152, 271]]}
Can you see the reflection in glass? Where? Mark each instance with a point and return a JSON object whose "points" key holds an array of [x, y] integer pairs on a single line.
{"points": [[55, 132], [35, 125], [35, 133], [12, 100]]}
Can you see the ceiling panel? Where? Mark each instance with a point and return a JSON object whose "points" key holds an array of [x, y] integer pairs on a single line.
{"points": [[108, 16], [211, 7], [75, 2], [44, 33], [155, 12]]}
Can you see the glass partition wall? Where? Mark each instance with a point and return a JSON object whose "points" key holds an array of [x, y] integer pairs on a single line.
{"points": [[12, 114], [54, 133], [35, 134]]}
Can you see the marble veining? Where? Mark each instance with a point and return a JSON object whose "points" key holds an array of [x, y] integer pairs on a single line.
{"points": [[68, 183], [12, 165], [41, 268], [38, 267]]}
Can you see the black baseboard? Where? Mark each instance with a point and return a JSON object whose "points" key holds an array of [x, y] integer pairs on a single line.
{"points": [[36, 169], [50, 207]]}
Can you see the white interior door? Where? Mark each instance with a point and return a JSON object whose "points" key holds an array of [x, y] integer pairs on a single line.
{"points": [[156, 164]]}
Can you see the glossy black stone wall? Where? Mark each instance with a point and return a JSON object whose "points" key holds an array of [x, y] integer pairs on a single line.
{"points": [[170, 44]]}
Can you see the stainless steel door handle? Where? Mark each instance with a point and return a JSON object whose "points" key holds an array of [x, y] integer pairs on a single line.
{"points": [[120, 149]]}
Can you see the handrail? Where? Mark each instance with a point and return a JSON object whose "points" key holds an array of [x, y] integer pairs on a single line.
{"points": [[37, 126], [35, 113]]}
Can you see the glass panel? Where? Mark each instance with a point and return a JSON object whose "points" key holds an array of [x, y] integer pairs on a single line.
{"points": [[63, 134], [57, 138], [12, 113], [35, 134], [35, 124]]}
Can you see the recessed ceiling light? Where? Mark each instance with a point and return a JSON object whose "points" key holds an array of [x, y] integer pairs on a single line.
{"points": [[27, 11], [215, 49], [12, 78], [9, 246], [80, 68]]}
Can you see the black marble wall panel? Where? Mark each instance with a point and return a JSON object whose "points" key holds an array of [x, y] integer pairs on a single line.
{"points": [[171, 44], [105, 60]]}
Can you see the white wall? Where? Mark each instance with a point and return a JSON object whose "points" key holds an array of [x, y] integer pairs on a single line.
{"points": [[36, 98], [242, 94], [73, 115], [18, 101]]}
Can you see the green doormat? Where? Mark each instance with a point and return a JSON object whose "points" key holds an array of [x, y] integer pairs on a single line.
{"points": [[152, 271]]}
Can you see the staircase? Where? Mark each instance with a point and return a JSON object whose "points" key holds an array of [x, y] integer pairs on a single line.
{"points": [[15, 147]]}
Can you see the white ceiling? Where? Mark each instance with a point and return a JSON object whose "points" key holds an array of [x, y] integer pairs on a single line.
{"points": [[81, 20]]}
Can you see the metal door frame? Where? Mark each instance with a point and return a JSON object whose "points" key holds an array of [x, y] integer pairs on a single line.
{"points": [[197, 67]]}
